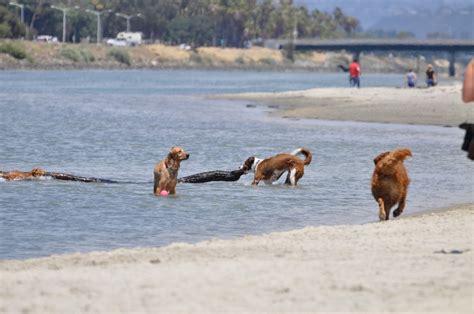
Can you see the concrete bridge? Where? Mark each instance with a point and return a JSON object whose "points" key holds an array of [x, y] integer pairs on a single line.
{"points": [[356, 46]]}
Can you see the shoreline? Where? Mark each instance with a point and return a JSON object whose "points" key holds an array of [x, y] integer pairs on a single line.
{"points": [[439, 106], [34, 55], [400, 265]]}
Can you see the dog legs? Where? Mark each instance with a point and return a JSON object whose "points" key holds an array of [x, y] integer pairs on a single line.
{"points": [[157, 177], [401, 206], [382, 214], [293, 176]]}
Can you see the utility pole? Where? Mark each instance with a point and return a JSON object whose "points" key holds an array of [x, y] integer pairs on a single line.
{"points": [[22, 14], [64, 10], [99, 25], [128, 18]]}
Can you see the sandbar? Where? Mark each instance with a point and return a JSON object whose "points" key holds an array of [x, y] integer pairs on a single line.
{"points": [[441, 105]]}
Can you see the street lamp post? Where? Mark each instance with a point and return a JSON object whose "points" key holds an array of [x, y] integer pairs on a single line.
{"points": [[128, 18], [22, 13], [99, 25], [64, 10]]}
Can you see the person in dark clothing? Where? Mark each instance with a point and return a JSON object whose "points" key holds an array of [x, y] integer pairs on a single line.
{"points": [[430, 76]]}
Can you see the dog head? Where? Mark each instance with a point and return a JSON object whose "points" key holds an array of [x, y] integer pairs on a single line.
{"points": [[250, 164], [380, 157], [38, 172], [177, 153], [247, 165]]}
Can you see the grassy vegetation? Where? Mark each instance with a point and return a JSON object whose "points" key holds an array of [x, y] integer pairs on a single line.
{"points": [[14, 49], [120, 55], [71, 54], [77, 55], [200, 59], [87, 56], [267, 61]]}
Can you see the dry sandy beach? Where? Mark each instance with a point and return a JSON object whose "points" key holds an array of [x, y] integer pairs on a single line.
{"points": [[441, 105], [415, 264]]}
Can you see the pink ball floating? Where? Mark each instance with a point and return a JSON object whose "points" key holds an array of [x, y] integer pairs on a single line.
{"points": [[164, 193]]}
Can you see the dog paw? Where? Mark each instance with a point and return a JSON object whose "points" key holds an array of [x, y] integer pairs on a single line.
{"points": [[397, 213]]}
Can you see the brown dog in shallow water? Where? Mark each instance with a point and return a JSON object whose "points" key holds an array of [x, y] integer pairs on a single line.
{"points": [[166, 171], [390, 182], [22, 175], [271, 169]]}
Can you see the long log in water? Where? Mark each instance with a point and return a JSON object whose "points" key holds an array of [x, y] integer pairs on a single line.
{"points": [[216, 175], [70, 177]]}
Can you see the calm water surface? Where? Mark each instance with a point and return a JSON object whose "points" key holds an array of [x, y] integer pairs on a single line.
{"points": [[118, 124]]}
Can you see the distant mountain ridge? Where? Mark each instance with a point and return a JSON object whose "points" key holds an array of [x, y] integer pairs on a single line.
{"points": [[454, 18]]}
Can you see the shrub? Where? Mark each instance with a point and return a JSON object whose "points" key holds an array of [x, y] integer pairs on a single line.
{"points": [[240, 60], [14, 50], [120, 55], [267, 61], [71, 54], [5, 31], [77, 55], [199, 59], [87, 56]]}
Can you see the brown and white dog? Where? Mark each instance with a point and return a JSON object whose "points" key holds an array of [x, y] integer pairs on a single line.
{"points": [[271, 169], [22, 175], [390, 182], [166, 171]]}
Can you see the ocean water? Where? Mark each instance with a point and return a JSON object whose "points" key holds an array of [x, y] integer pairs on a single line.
{"points": [[118, 124]]}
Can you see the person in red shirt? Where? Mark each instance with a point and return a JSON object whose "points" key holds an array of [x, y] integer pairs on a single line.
{"points": [[354, 73]]}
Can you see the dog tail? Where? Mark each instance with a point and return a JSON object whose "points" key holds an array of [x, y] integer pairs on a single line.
{"points": [[387, 164], [303, 151], [401, 154]]}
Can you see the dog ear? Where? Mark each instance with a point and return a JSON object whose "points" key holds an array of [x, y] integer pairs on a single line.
{"points": [[380, 157], [173, 152], [249, 162]]}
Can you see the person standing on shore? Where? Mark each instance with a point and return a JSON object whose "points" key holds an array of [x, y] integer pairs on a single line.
{"points": [[468, 84], [468, 96], [354, 73], [411, 78], [430, 76]]}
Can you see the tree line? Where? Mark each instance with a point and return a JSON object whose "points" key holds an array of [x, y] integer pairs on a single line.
{"points": [[231, 23]]}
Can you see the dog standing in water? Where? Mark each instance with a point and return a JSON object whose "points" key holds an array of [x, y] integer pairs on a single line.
{"points": [[390, 182], [271, 169], [166, 171]]}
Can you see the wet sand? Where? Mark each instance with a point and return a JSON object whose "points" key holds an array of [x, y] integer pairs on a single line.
{"points": [[421, 263], [441, 105]]}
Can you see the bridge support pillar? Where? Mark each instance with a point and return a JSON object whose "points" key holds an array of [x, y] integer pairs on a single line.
{"points": [[452, 59], [356, 55]]}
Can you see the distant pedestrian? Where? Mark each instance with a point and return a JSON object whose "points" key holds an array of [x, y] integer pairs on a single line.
{"points": [[430, 76], [411, 78], [354, 73]]}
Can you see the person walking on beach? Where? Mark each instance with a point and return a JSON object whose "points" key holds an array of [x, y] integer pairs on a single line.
{"points": [[411, 78], [354, 73], [430, 76]]}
